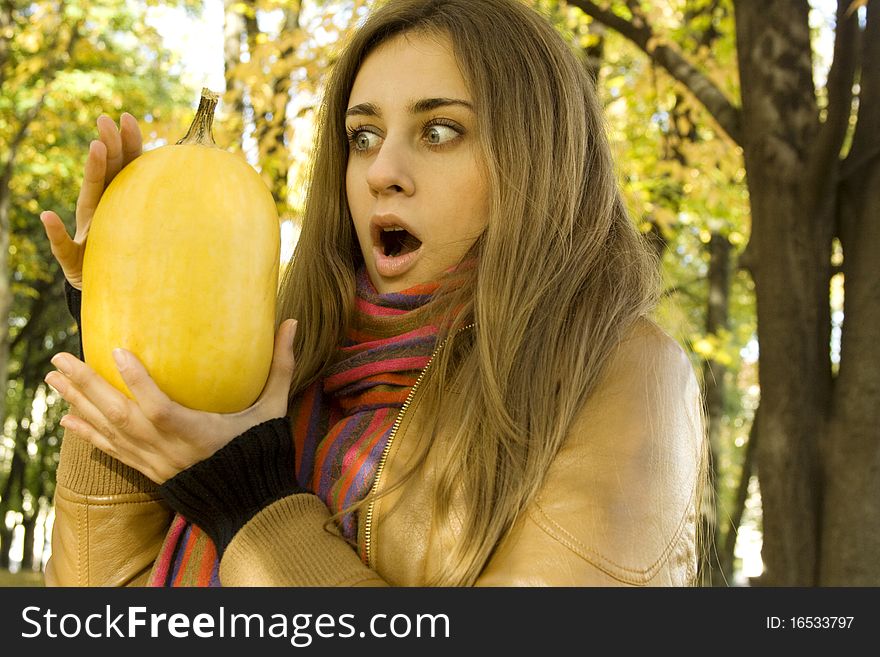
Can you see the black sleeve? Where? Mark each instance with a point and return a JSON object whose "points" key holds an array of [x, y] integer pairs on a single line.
{"points": [[74, 305], [223, 492]]}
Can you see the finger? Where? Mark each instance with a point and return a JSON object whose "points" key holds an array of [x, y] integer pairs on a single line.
{"points": [[132, 141], [155, 404], [281, 372], [92, 188], [169, 419], [98, 401], [86, 431], [55, 229], [63, 248], [113, 141], [86, 411]]}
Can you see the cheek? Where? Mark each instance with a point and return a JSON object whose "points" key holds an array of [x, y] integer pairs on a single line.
{"points": [[350, 189], [463, 217], [476, 203], [354, 194]]}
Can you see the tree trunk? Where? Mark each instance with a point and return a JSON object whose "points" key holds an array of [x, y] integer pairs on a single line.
{"points": [[5, 287], [12, 495], [728, 548], [27, 555], [233, 34], [13, 483], [789, 256], [37, 491], [714, 388], [594, 54], [851, 530], [6, 34], [818, 458], [5, 544]]}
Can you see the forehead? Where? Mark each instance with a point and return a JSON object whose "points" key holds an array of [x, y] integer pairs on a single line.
{"points": [[407, 67]]}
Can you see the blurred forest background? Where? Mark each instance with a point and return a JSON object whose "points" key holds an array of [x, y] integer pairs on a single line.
{"points": [[747, 140]]}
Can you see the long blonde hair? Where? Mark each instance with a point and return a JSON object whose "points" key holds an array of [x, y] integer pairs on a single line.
{"points": [[561, 271]]}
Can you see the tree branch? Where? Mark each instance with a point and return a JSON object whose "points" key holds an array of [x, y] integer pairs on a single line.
{"points": [[866, 141], [728, 116], [823, 158], [37, 308]]}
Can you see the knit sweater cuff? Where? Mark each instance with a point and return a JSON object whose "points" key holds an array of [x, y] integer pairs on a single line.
{"points": [[223, 492], [86, 470]]}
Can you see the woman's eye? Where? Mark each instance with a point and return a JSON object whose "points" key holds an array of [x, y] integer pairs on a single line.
{"points": [[440, 134], [362, 140]]}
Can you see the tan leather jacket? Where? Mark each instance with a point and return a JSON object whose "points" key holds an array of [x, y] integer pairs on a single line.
{"points": [[617, 506]]}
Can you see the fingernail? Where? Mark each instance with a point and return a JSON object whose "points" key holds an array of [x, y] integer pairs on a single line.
{"points": [[121, 358], [59, 361], [53, 380], [293, 332]]}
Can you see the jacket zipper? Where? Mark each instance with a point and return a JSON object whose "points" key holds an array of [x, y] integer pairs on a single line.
{"points": [[368, 522]]}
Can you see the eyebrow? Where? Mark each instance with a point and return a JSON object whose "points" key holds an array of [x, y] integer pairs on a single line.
{"points": [[417, 107]]}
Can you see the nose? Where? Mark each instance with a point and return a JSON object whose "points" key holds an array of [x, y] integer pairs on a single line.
{"points": [[390, 171]]}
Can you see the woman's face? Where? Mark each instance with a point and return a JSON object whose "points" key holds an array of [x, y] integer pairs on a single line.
{"points": [[414, 162]]}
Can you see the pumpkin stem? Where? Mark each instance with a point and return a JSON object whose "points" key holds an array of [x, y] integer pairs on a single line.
{"points": [[199, 132]]}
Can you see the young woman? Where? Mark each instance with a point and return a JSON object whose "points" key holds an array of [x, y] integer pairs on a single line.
{"points": [[471, 392]]}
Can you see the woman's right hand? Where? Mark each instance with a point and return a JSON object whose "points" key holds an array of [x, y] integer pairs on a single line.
{"points": [[107, 156]]}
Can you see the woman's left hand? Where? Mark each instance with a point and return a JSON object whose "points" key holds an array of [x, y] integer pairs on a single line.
{"points": [[151, 433]]}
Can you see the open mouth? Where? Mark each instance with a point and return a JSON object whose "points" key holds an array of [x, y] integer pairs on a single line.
{"points": [[397, 241]]}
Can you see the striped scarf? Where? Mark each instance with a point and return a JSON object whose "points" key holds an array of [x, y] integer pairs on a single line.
{"points": [[340, 423]]}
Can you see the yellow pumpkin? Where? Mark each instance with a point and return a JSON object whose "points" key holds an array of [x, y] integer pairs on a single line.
{"points": [[181, 268]]}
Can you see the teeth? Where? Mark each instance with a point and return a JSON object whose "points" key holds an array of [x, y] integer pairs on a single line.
{"points": [[390, 228]]}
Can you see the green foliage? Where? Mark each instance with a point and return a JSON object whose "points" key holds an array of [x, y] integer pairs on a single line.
{"points": [[116, 63]]}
